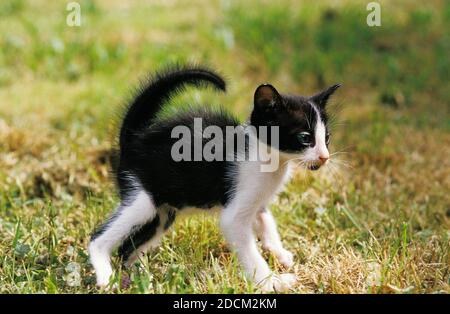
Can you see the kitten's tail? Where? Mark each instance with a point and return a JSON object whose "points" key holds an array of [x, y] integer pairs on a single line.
{"points": [[159, 89]]}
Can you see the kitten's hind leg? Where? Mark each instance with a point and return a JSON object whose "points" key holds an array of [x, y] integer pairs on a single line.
{"points": [[128, 217], [266, 230], [147, 237]]}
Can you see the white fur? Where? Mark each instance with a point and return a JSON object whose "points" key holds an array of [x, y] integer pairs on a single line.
{"points": [[320, 149], [154, 242], [253, 191], [266, 230], [140, 211]]}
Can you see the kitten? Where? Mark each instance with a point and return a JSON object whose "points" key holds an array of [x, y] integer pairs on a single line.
{"points": [[154, 187]]}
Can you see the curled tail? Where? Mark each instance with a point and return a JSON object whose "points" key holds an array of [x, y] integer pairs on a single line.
{"points": [[159, 90]]}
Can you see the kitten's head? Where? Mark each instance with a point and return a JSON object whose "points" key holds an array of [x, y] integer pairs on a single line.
{"points": [[302, 122]]}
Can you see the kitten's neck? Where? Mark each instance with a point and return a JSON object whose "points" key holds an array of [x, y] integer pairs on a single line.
{"points": [[273, 160]]}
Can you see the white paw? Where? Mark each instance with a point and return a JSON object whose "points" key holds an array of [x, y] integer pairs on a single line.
{"points": [[100, 262], [103, 278], [285, 257], [267, 286], [285, 282], [279, 283]]}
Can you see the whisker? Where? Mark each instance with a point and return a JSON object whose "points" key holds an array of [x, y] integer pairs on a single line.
{"points": [[341, 163], [335, 173], [338, 153], [346, 148], [329, 169]]}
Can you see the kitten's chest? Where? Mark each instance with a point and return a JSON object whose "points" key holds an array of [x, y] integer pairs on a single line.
{"points": [[255, 186]]}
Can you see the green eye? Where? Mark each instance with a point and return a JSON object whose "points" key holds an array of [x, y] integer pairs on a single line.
{"points": [[304, 138]]}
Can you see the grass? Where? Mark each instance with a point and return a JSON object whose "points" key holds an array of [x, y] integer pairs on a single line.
{"points": [[378, 224]]}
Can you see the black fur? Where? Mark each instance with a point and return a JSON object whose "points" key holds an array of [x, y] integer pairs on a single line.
{"points": [[145, 145], [145, 233], [99, 231], [141, 235], [170, 218], [292, 114], [145, 141]]}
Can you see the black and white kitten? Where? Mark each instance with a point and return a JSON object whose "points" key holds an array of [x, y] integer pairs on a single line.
{"points": [[154, 187]]}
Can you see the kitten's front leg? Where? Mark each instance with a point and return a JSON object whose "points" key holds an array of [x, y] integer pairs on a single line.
{"points": [[237, 227], [266, 230]]}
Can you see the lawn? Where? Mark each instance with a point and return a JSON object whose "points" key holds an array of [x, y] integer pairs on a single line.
{"points": [[377, 221]]}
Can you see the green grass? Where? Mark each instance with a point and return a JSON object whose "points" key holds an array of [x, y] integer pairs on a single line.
{"points": [[385, 227]]}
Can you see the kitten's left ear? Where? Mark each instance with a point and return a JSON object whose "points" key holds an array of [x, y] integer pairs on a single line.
{"points": [[321, 98], [266, 96]]}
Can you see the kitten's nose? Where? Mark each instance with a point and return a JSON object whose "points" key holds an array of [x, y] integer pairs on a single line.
{"points": [[323, 158]]}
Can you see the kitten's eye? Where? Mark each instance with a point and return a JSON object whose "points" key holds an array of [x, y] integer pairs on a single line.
{"points": [[304, 138], [327, 138]]}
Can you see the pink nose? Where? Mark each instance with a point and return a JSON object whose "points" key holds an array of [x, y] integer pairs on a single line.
{"points": [[323, 159]]}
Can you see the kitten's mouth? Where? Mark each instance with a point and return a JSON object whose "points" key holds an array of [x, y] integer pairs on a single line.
{"points": [[314, 167]]}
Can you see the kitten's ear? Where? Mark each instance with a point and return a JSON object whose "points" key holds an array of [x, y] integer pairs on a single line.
{"points": [[266, 96], [321, 98]]}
